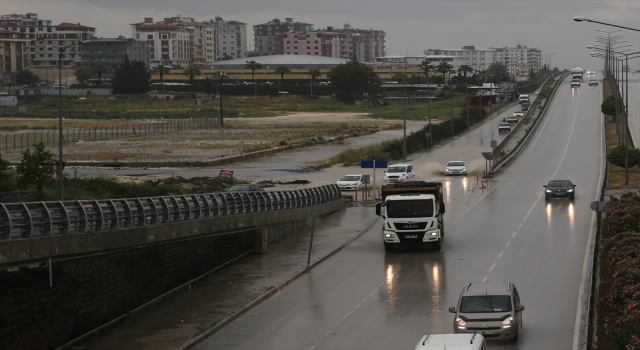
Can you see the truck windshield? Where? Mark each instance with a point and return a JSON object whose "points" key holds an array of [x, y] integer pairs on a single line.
{"points": [[410, 209]]}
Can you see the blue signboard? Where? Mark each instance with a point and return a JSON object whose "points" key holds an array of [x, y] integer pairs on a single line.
{"points": [[368, 164]]}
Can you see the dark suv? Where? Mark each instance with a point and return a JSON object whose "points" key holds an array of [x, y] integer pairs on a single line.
{"points": [[490, 309]]}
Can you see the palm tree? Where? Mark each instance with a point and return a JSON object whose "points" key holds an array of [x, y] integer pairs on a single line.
{"points": [[161, 70], [425, 66], [444, 68], [253, 65], [464, 69], [282, 70], [81, 75], [191, 72], [99, 70]]}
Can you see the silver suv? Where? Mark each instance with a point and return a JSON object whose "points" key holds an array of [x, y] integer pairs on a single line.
{"points": [[490, 309]]}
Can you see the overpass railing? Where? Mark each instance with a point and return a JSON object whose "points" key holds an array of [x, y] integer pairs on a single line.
{"points": [[41, 219]]}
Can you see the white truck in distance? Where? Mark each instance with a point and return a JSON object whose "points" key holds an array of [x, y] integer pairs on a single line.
{"points": [[413, 213]]}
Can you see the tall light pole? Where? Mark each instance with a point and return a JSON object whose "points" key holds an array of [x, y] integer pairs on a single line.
{"points": [[60, 138], [222, 75], [404, 137], [583, 19]]}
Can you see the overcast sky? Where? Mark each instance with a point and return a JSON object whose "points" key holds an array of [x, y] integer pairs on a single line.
{"points": [[411, 25]]}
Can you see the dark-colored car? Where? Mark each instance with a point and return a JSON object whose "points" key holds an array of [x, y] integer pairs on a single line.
{"points": [[560, 188], [245, 188], [525, 106]]}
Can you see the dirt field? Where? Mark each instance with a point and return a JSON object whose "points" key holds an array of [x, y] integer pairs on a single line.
{"points": [[238, 136]]}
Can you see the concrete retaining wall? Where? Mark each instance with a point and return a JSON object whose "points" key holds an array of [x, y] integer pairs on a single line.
{"points": [[100, 280]]}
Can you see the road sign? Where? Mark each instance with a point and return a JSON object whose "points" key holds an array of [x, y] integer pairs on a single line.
{"points": [[313, 222], [487, 155], [226, 173], [366, 179], [494, 143], [597, 206], [369, 164]]}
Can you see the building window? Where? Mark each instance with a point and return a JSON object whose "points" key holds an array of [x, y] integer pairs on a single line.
{"points": [[149, 36]]}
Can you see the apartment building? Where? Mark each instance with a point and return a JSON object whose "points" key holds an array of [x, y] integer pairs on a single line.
{"points": [[478, 59], [12, 58], [364, 45], [519, 60], [230, 38], [169, 44], [266, 35], [47, 39], [111, 53]]}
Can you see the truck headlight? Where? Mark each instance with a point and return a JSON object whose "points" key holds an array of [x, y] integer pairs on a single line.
{"points": [[434, 233], [460, 323], [508, 322]]}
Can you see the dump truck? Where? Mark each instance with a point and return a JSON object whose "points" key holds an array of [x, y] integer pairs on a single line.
{"points": [[413, 213]]}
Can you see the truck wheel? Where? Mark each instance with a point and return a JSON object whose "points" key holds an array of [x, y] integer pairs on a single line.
{"points": [[442, 230], [388, 247], [437, 246]]}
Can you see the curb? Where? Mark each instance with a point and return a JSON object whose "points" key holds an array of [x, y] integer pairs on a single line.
{"points": [[269, 293]]}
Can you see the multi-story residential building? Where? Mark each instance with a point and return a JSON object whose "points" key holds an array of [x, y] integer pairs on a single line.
{"points": [[519, 60], [111, 52], [415, 61], [12, 58], [230, 38], [169, 44], [266, 35], [47, 39], [478, 59], [364, 45]]}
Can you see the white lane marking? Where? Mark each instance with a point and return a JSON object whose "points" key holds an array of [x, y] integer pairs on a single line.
{"points": [[514, 234], [484, 279], [492, 266], [588, 249], [500, 255], [507, 245], [481, 198], [330, 331], [519, 226]]}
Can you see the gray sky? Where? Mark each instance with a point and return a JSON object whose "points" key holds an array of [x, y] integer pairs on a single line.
{"points": [[412, 25]]}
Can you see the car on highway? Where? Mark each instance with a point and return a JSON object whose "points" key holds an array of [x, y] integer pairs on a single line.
{"points": [[350, 182], [398, 172], [490, 309], [452, 341], [455, 167], [524, 98], [537, 92], [518, 114], [525, 106], [575, 83], [560, 188], [593, 82], [245, 188], [504, 127]]}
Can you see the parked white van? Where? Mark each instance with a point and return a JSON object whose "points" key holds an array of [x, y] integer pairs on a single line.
{"points": [[452, 342]]}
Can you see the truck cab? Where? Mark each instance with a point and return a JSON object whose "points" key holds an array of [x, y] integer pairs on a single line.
{"points": [[413, 214]]}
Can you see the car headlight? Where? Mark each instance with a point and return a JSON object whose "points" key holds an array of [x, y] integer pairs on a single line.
{"points": [[460, 323], [548, 191], [570, 190], [508, 322]]}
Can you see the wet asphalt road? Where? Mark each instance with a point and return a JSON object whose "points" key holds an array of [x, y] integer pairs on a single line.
{"points": [[634, 106], [363, 298]]}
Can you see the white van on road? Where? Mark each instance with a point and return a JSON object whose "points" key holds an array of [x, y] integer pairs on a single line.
{"points": [[398, 172]]}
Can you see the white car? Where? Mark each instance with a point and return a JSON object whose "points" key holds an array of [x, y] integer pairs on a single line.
{"points": [[398, 172], [455, 167], [518, 114], [350, 182]]}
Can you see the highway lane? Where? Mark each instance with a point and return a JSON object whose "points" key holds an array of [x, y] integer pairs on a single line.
{"points": [[362, 298]]}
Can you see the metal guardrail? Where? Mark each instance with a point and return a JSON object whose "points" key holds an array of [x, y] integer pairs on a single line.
{"points": [[500, 163], [42, 219]]}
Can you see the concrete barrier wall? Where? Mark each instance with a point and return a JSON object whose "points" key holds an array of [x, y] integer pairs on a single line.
{"points": [[46, 305]]}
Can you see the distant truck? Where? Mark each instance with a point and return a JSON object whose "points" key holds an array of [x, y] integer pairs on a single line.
{"points": [[413, 213], [577, 73]]}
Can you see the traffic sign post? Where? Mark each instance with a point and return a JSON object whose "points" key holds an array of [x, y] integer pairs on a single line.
{"points": [[368, 164], [312, 222]]}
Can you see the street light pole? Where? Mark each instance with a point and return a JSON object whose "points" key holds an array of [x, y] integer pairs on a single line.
{"points": [[60, 138], [222, 74], [583, 19]]}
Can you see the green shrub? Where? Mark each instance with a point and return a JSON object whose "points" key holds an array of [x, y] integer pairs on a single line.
{"points": [[616, 156]]}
